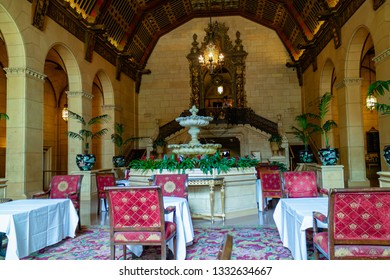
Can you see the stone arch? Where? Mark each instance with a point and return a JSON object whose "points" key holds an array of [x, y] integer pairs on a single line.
{"points": [[71, 66], [103, 103], [354, 52], [12, 37], [327, 84]]}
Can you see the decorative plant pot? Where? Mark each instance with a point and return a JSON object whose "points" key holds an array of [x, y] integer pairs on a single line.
{"points": [[305, 156], [386, 154], [328, 156], [85, 162], [118, 161], [274, 148]]}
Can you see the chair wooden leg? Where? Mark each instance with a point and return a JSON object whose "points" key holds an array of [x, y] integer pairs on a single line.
{"points": [[124, 252], [112, 251], [164, 251], [98, 208]]}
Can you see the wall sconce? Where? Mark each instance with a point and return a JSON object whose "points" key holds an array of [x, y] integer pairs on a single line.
{"points": [[371, 102], [65, 113]]}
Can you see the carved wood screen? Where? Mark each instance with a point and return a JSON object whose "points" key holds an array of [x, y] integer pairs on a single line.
{"points": [[231, 75]]}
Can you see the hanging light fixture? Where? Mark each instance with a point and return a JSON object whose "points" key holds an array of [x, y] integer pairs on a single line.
{"points": [[220, 89], [212, 56], [65, 113], [370, 99], [371, 102]]}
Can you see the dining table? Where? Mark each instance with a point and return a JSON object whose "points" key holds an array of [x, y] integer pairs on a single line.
{"points": [[293, 216], [33, 224], [184, 227]]}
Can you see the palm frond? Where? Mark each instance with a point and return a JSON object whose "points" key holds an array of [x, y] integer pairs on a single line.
{"points": [[77, 117], [324, 104], [4, 116], [119, 128], [100, 133], [99, 119], [75, 135]]}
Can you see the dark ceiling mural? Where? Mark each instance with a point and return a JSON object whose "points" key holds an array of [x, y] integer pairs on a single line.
{"points": [[125, 32]]}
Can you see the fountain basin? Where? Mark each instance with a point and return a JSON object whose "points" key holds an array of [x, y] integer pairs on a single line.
{"points": [[197, 149], [194, 121]]}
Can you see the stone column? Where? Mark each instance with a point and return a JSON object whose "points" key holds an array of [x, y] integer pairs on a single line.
{"points": [[382, 65], [81, 103], [351, 132], [108, 146], [24, 163]]}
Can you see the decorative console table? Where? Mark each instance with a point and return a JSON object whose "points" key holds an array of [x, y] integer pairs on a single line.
{"points": [[211, 183]]}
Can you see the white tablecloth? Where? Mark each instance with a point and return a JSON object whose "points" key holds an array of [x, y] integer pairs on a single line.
{"points": [[184, 228], [292, 217], [32, 224]]}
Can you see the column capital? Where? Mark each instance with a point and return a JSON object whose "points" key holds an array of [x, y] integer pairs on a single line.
{"points": [[382, 56], [111, 108], [79, 94], [349, 82], [24, 71]]}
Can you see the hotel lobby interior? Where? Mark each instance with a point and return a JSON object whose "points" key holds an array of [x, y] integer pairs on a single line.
{"points": [[252, 69]]}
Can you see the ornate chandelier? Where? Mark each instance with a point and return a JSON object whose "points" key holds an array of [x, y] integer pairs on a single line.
{"points": [[212, 57]]}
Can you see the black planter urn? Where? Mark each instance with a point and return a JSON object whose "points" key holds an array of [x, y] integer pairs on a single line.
{"points": [[386, 154], [328, 156], [85, 162], [118, 161], [305, 156]]}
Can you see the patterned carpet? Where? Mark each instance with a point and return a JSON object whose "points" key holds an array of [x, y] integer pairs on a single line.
{"points": [[250, 243]]}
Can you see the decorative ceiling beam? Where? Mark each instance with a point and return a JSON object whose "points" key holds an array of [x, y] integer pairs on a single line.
{"points": [[39, 10]]}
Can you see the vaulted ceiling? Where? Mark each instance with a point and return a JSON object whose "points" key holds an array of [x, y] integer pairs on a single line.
{"points": [[125, 32]]}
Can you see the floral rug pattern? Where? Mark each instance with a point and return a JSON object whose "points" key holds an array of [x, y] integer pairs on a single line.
{"points": [[249, 243]]}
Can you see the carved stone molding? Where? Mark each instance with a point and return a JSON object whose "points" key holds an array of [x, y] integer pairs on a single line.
{"points": [[382, 56], [349, 82], [111, 108], [24, 71], [79, 93]]}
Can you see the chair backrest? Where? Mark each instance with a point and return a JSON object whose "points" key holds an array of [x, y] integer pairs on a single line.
{"points": [[135, 208], [104, 179], [66, 186], [225, 251], [271, 181], [300, 184], [172, 184], [261, 167], [359, 216]]}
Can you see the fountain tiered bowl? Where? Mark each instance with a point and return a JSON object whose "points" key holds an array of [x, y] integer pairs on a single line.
{"points": [[194, 147]]}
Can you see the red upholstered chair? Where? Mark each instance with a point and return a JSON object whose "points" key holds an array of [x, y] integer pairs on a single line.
{"points": [[359, 225], [104, 179], [137, 217], [271, 185], [300, 184], [172, 184], [64, 186]]}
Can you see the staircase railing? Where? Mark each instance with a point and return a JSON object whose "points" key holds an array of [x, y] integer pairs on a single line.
{"points": [[233, 116]]}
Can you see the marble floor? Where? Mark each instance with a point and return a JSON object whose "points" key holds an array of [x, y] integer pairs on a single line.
{"points": [[89, 217]]}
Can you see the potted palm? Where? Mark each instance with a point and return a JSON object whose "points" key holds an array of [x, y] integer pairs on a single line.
{"points": [[121, 143], [303, 132], [328, 155], [275, 141], [379, 88], [159, 144], [86, 161]]}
